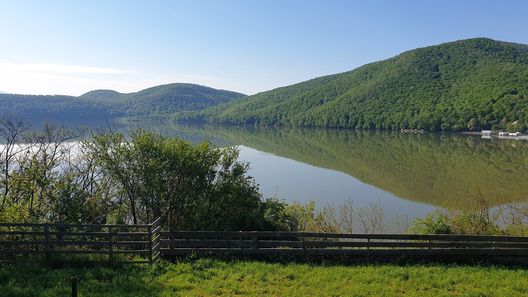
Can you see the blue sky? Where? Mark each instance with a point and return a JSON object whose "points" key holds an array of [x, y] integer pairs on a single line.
{"points": [[70, 47]]}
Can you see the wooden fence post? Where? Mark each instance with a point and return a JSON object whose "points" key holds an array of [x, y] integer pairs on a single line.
{"points": [[46, 240], [254, 241], [74, 286], [156, 240], [150, 244], [111, 243], [303, 247], [171, 240], [368, 248]]}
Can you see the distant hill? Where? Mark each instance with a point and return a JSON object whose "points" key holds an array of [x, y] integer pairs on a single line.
{"points": [[463, 85], [36, 109], [161, 101]]}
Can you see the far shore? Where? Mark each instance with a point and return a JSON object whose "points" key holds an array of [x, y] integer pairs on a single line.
{"points": [[495, 135]]}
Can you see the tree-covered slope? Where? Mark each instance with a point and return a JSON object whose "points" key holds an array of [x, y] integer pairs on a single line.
{"points": [[31, 108], [160, 101], [463, 85]]}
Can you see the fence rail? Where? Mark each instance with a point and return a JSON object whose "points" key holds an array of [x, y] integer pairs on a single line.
{"points": [[133, 243], [332, 244], [150, 243]]}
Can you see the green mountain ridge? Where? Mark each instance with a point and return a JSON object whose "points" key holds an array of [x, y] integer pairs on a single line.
{"points": [[160, 101], [469, 84], [101, 95]]}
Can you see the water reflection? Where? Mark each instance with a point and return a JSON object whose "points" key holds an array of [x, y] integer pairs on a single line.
{"points": [[405, 173], [441, 170]]}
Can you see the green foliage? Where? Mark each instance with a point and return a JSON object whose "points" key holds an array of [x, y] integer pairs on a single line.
{"points": [[113, 179], [160, 100], [41, 182], [472, 222], [305, 217], [435, 223], [464, 85], [510, 219], [15, 213], [272, 215], [191, 187]]}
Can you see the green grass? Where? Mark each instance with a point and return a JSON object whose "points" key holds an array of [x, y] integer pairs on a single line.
{"points": [[220, 278]]}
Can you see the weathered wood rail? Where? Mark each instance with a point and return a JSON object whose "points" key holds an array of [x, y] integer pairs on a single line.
{"points": [[329, 244], [74, 239]]}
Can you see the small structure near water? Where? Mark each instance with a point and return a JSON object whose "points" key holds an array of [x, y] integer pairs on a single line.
{"points": [[488, 134], [415, 131], [502, 133]]}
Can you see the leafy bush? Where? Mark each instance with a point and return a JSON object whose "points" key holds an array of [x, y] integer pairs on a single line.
{"points": [[114, 179], [191, 187], [435, 223]]}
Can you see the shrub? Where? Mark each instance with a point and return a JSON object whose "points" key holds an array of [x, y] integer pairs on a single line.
{"points": [[434, 223]]}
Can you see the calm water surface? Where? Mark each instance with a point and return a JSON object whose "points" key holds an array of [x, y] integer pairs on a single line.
{"points": [[406, 174]]}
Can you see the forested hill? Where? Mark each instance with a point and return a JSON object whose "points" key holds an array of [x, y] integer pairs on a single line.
{"points": [[463, 85], [63, 109], [164, 99], [160, 101]]}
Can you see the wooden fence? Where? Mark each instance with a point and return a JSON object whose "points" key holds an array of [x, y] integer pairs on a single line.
{"points": [[150, 243], [328, 244], [117, 242]]}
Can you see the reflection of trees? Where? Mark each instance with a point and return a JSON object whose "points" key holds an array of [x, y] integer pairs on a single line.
{"points": [[446, 170]]}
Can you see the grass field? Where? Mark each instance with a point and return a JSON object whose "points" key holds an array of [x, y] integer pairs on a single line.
{"points": [[220, 278]]}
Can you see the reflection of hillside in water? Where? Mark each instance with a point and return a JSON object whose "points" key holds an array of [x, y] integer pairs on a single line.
{"points": [[443, 170]]}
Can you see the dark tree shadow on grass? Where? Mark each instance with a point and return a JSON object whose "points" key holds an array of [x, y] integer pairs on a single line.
{"points": [[42, 280]]}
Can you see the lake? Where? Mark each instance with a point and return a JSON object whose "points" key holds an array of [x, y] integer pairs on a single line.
{"points": [[406, 174]]}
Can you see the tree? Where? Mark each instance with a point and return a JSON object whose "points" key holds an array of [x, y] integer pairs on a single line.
{"points": [[192, 187], [45, 177], [11, 132]]}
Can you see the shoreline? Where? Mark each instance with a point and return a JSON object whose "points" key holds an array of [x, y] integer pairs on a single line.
{"points": [[494, 135]]}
